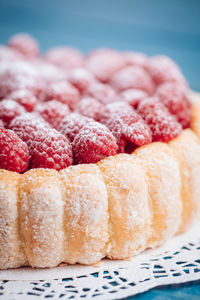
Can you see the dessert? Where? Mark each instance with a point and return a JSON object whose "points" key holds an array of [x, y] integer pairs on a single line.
{"points": [[99, 154]]}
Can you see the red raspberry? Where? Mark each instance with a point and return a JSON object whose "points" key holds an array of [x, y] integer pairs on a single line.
{"points": [[17, 76], [163, 125], [28, 125], [24, 98], [103, 63], [49, 72], [163, 69], [93, 143], [133, 97], [65, 57], [8, 55], [14, 154], [63, 92], [89, 107], [10, 109], [126, 125], [25, 44], [114, 109], [1, 124], [133, 77], [102, 92], [136, 59], [53, 112], [174, 97], [81, 79], [72, 124], [50, 149]]}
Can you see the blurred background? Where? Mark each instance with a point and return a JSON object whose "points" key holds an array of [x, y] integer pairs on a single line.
{"points": [[151, 26]]}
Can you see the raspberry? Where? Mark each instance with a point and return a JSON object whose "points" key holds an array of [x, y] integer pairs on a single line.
{"points": [[8, 54], [72, 124], [48, 147], [53, 112], [49, 72], [14, 154], [10, 109], [103, 63], [102, 92], [1, 124], [63, 92], [81, 79], [51, 150], [93, 143], [126, 125], [163, 69], [133, 97], [133, 77], [24, 44], [24, 98], [174, 97], [65, 57], [89, 107], [19, 75], [136, 59], [163, 125], [28, 125]]}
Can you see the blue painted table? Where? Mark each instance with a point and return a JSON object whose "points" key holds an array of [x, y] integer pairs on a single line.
{"points": [[169, 27]]}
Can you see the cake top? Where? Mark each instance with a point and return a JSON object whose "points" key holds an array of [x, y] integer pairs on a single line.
{"points": [[65, 108]]}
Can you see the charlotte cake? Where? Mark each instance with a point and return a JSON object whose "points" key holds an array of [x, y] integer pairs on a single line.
{"points": [[99, 154]]}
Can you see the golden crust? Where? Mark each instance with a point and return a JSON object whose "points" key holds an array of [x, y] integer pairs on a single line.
{"points": [[41, 213], [11, 251], [186, 149], [116, 208], [164, 183], [85, 214], [128, 205]]}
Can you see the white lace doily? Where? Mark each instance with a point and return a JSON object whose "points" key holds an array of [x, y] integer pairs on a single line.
{"points": [[178, 261]]}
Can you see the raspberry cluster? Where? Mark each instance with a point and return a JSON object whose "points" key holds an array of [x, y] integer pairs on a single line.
{"points": [[64, 108]]}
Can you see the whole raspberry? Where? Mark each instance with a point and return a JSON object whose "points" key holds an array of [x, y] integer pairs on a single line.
{"points": [[174, 97], [25, 98], [19, 75], [72, 124], [28, 125], [65, 57], [102, 92], [163, 69], [10, 109], [8, 55], [133, 97], [14, 154], [50, 149], [103, 63], [136, 59], [81, 78], [53, 112], [1, 123], [163, 125], [89, 107], [126, 125], [49, 72], [93, 143], [133, 77], [63, 92], [25, 44]]}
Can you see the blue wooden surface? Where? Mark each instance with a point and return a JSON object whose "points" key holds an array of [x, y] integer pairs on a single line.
{"points": [[152, 26]]}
